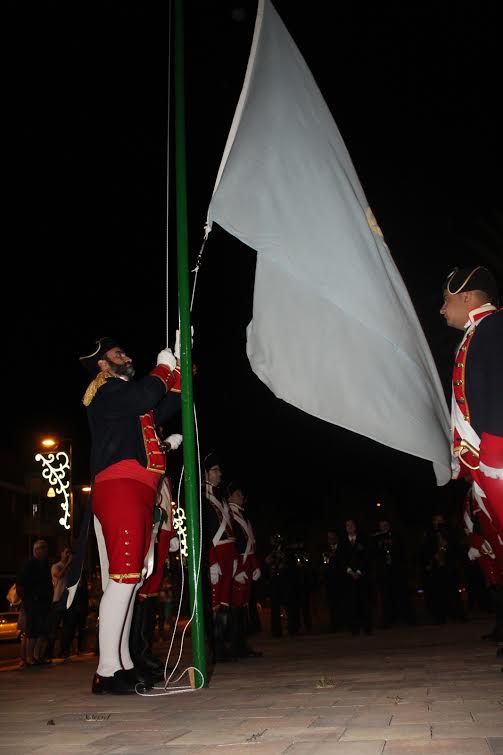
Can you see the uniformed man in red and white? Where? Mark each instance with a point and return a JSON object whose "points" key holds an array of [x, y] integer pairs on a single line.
{"points": [[487, 549], [145, 611], [220, 556], [470, 296], [470, 305], [247, 572], [127, 465]]}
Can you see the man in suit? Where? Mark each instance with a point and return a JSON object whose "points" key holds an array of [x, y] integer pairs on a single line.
{"points": [[358, 583], [391, 575]]}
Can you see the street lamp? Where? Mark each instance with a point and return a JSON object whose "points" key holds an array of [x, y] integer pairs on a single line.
{"points": [[57, 470]]}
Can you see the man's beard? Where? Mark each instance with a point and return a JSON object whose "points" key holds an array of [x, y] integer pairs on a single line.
{"points": [[123, 370]]}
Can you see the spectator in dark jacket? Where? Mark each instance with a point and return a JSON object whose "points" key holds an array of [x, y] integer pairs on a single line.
{"points": [[358, 584], [34, 585]]}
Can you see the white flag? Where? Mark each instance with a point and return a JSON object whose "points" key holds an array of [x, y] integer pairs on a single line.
{"points": [[334, 331]]}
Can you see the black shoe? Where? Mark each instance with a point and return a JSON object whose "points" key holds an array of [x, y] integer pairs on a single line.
{"points": [[146, 673], [492, 637], [499, 652], [121, 683], [250, 653], [223, 655], [141, 676]]}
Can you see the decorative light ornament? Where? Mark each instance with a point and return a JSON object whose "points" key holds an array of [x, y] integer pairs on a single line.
{"points": [[180, 527], [56, 469]]}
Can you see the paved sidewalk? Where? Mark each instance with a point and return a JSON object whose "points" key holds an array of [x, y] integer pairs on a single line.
{"points": [[402, 691]]}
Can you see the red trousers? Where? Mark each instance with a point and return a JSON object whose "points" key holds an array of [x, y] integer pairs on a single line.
{"points": [[224, 555], [124, 508], [241, 591]]}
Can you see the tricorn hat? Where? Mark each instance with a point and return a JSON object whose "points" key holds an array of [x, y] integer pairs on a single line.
{"points": [[471, 279], [90, 361], [210, 461], [232, 486]]}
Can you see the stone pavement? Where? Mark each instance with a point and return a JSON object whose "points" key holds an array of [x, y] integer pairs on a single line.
{"points": [[403, 691]]}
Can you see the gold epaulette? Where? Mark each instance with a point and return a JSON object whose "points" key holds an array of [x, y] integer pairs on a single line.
{"points": [[93, 386]]}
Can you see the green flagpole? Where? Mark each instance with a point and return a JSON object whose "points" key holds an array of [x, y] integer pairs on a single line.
{"points": [[189, 455]]}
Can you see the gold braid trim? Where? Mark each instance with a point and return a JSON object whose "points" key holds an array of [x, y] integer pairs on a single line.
{"points": [[460, 288], [122, 577], [94, 385]]}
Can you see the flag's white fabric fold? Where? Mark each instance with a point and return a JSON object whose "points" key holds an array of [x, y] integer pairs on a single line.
{"points": [[334, 331]]}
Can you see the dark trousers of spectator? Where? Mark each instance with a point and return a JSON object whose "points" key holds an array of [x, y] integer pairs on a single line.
{"points": [[336, 615], [277, 601], [394, 599], [479, 596], [165, 616], [74, 622], [254, 624], [54, 623], [305, 610], [36, 614], [496, 598], [442, 596], [358, 603]]}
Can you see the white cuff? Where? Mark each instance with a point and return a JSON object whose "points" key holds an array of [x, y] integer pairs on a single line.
{"points": [[494, 472]]}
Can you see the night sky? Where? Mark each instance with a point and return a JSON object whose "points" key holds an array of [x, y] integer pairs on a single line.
{"points": [[414, 91]]}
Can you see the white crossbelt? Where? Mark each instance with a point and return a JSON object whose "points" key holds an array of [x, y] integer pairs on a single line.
{"points": [[247, 528], [225, 517]]}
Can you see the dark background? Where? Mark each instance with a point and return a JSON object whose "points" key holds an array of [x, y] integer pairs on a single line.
{"points": [[414, 91]]}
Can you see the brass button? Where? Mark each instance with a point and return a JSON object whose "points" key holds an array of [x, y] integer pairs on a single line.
{"points": [[467, 417], [461, 400], [126, 542], [127, 554], [458, 382], [460, 364], [127, 563], [126, 532]]}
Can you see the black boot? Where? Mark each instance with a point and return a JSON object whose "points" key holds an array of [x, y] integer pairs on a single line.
{"points": [[139, 643], [149, 631], [221, 633], [236, 633], [244, 650]]}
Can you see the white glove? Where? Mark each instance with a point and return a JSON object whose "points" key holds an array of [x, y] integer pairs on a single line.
{"points": [[167, 357], [177, 341], [473, 554], [174, 440], [256, 574], [241, 577], [234, 566], [215, 572], [174, 545], [455, 468]]}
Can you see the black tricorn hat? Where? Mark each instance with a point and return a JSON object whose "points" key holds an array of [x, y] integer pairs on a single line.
{"points": [[90, 361], [211, 460], [232, 486], [471, 279]]}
